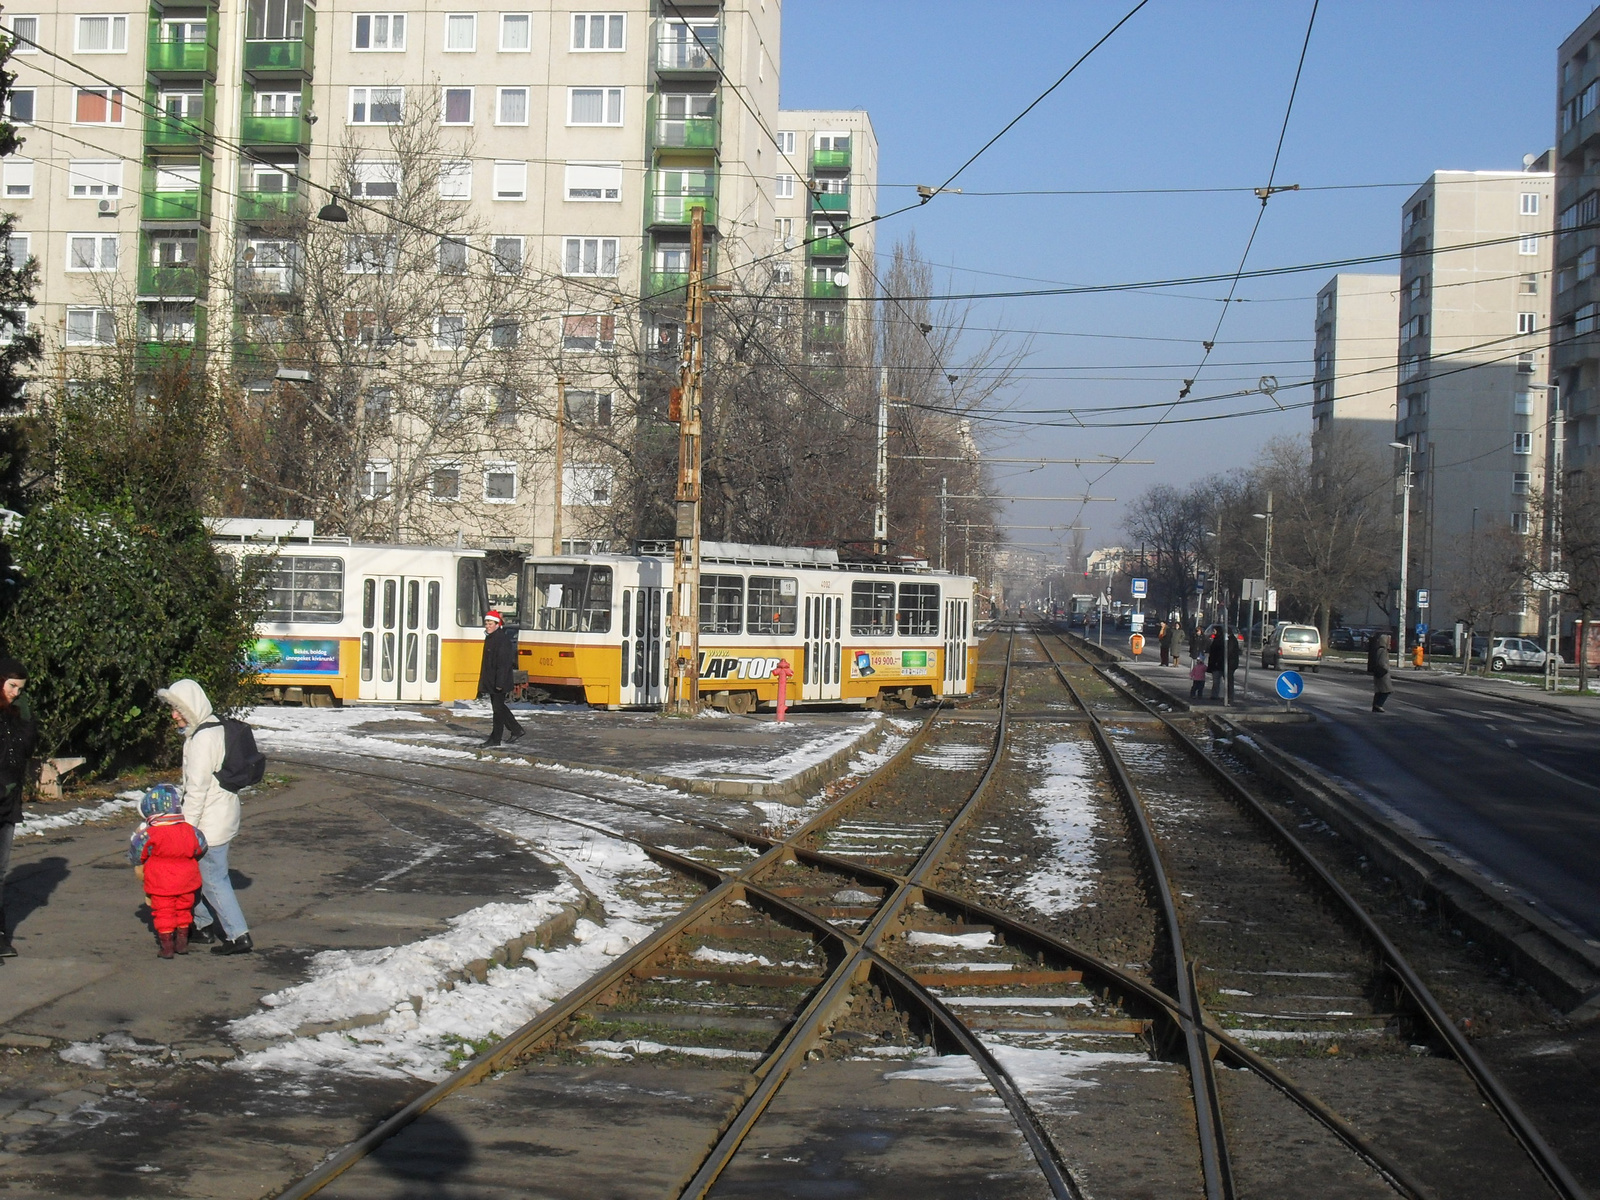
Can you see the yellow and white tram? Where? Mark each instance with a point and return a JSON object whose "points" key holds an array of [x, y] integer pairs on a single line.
{"points": [[853, 633]]}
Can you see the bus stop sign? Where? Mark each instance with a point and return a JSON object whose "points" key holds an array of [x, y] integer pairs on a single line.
{"points": [[1141, 588]]}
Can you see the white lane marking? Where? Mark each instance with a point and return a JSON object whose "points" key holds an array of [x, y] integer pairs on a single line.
{"points": [[1511, 743], [1563, 775]]}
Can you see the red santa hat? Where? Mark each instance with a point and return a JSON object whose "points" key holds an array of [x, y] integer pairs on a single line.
{"points": [[494, 615]]}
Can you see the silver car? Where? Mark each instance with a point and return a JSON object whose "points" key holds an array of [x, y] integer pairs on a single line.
{"points": [[1518, 654]]}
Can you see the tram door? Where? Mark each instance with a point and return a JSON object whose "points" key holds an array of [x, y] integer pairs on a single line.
{"points": [[400, 617], [956, 615], [824, 631], [644, 646]]}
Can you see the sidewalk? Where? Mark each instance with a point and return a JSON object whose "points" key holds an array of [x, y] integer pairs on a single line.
{"points": [[1511, 688]]}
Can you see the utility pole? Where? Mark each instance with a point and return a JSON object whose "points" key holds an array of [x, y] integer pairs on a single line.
{"points": [[561, 424], [880, 513], [686, 553], [944, 505], [1405, 544]]}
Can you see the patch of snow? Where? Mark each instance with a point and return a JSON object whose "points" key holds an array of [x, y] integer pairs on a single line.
{"points": [[707, 954], [85, 1054], [335, 730], [1013, 1001], [1044, 1075], [44, 822], [967, 941], [816, 746], [953, 757], [1065, 817], [626, 1050]]}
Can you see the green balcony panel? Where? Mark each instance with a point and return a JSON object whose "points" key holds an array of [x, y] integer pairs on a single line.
{"points": [[826, 289], [165, 199], [270, 207], [830, 160], [834, 202], [679, 210], [661, 283], [829, 247], [680, 121], [288, 55], [181, 124], [826, 335], [274, 131], [180, 58], [157, 280]]}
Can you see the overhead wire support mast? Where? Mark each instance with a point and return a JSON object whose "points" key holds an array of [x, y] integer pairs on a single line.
{"points": [[1030, 462], [686, 550]]}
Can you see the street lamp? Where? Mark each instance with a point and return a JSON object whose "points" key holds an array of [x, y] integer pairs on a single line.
{"points": [[1405, 545], [1552, 486]]}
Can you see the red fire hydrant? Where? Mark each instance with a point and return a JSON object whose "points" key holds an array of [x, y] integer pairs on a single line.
{"points": [[783, 671]]}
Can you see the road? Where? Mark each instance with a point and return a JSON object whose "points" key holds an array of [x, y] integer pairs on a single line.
{"points": [[1511, 787]]}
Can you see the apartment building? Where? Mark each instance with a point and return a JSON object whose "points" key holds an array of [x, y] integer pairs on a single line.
{"points": [[1575, 340], [1357, 320], [179, 160], [1472, 396]]}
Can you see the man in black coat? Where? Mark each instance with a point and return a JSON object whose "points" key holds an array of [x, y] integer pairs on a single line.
{"points": [[1216, 658], [496, 677], [18, 733]]}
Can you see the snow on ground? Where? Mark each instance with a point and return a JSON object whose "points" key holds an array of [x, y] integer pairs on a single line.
{"points": [[817, 743], [954, 757], [331, 730], [967, 941], [1046, 1075], [783, 817], [1065, 817], [626, 1050], [44, 822]]}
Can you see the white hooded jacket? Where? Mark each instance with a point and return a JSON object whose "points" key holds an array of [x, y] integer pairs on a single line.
{"points": [[206, 804]]}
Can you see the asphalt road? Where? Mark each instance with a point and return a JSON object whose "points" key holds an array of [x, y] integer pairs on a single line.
{"points": [[1511, 787]]}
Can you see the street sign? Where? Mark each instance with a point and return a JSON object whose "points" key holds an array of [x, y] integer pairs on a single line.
{"points": [[1137, 620], [1272, 599], [1422, 597], [1549, 581], [1254, 589], [1290, 684], [1141, 588]]}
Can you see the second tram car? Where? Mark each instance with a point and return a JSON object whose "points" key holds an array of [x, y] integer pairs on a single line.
{"points": [[597, 625]]}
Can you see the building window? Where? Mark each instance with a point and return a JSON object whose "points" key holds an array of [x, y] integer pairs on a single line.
{"points": [[375, 178], [589, 181], [1529, 285], [511, 107], [375, 479], [500, 482], [363, 329], [785, 187], [379, 31], [1522, 443], [378, 406], [17, 251], [505, 332], [508, 255], [460, 33], [1414, 328], [1528, 245], [266, 104], [452, 256], [594, 106], [97, 106], [1527, 322], [783, 273], [457, 106], [166, 322], [786, 141], [510, 181], [1521, 481], [376, 106], [455, 179], [598, 31], [19, 106], [26, 31], [370, 254], [1522, 404], [1583, 318], [91, 252], [274, 20], [589, 256], [1520, 522], [588, 408], [102, 35], [1527, 363], [516, 33], [444, 482], [91, 327], [1586, 263], [13, 325], [1530, 204], [586, 485], [589, 331], [16, 177], [449, 331]]}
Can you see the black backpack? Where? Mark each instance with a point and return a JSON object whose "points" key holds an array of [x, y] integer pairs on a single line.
{"points": [[242, 764]]}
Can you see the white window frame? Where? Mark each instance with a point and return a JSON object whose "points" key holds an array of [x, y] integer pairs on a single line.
{"points": [[782, 272], [89, 174], [580, 482], [1528, 244], [370, 471], [444, 464], [600, 345], [271, 103], [1522, 404], [363, 96], [389, 19], [500, 245], [367, 173], [1520, 523], [1522, 443], [444, 105], [14, 261], [609, 22], [456, 338], [1527, 322], [33, 105], [454, 179], [783, 186], [1521, 483], [598, 404], [607, 95], [500, 468], [16, 178], [510, 180], [104, 320], [117, 26], [783, 232], [601, 177], [371, 254], [1530, 204], [466, 252], [99, 260], [578, 244], [500, 94], [9, 24], [472, 23], [121, 106], [786, 141], [507, 20]]}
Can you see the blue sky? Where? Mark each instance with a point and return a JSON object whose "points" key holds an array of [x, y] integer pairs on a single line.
{"points": [[1186, 95]]}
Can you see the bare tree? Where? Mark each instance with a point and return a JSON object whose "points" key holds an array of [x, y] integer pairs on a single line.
{"points": [[1489, 579]]}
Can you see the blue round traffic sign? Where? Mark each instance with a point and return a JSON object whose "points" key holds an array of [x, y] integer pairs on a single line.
{"points": [[1290, 684]]}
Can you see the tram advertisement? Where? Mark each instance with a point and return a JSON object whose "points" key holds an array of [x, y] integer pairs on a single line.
{"points": [[865, 664], [295, 656], [725, 666]]}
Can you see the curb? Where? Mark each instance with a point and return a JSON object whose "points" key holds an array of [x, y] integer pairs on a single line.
{"points": [[1478, 687], [1558, 964]]}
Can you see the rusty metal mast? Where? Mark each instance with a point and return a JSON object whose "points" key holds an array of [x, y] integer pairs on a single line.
{"points": [[686, 552]]}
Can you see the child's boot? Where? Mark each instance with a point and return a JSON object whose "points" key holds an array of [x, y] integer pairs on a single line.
{"points": [[180, 940], [164, 942]]}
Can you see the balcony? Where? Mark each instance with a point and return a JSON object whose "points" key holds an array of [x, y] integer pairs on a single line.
{"points": [[267, 208], [687, 49], [682, 132], [831, 160], [667, 281], [182, 58], [830, 202], [171, 335], [828, 247], [674, 195], [192, 131], [168, 195], [826, 289], [273, 129], [168, 278], [285, 56], [266, 281], [826, 335]]}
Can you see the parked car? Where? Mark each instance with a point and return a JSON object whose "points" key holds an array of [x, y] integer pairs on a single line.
{"points": [[1345, 638], [1514, 654], [1290, 644], [1442, 641]]}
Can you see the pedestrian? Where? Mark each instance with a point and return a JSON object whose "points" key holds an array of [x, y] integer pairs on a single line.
{"points": [[214, 811], [1197, 678], [18, 733], [495, 677], [1234, 653], [1216, 657], [165, 850], [1378, 668], [1164, 639]]}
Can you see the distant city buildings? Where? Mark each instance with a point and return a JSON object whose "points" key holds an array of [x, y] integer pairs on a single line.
{"points": [[1358, 318]]}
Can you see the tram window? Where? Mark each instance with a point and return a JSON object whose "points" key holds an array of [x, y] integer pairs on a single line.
{"points": [[774, 605], [722, 604], [472, 598], [871, 608], [570, 597], [369, 603], [433, 604], [302, 588], [919, 609]]}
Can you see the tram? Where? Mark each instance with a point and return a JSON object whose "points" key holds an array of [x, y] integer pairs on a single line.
{"points": [[347, 621], [596, 626]]}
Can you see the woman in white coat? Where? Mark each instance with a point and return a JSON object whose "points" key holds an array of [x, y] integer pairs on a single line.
{"points": [[213, 810]]}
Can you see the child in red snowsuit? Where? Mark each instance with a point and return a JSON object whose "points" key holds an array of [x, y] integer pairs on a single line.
{"points": [[165, 851]]}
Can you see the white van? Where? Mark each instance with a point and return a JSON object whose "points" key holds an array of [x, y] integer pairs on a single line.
{"points": [[1288, 645]]}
